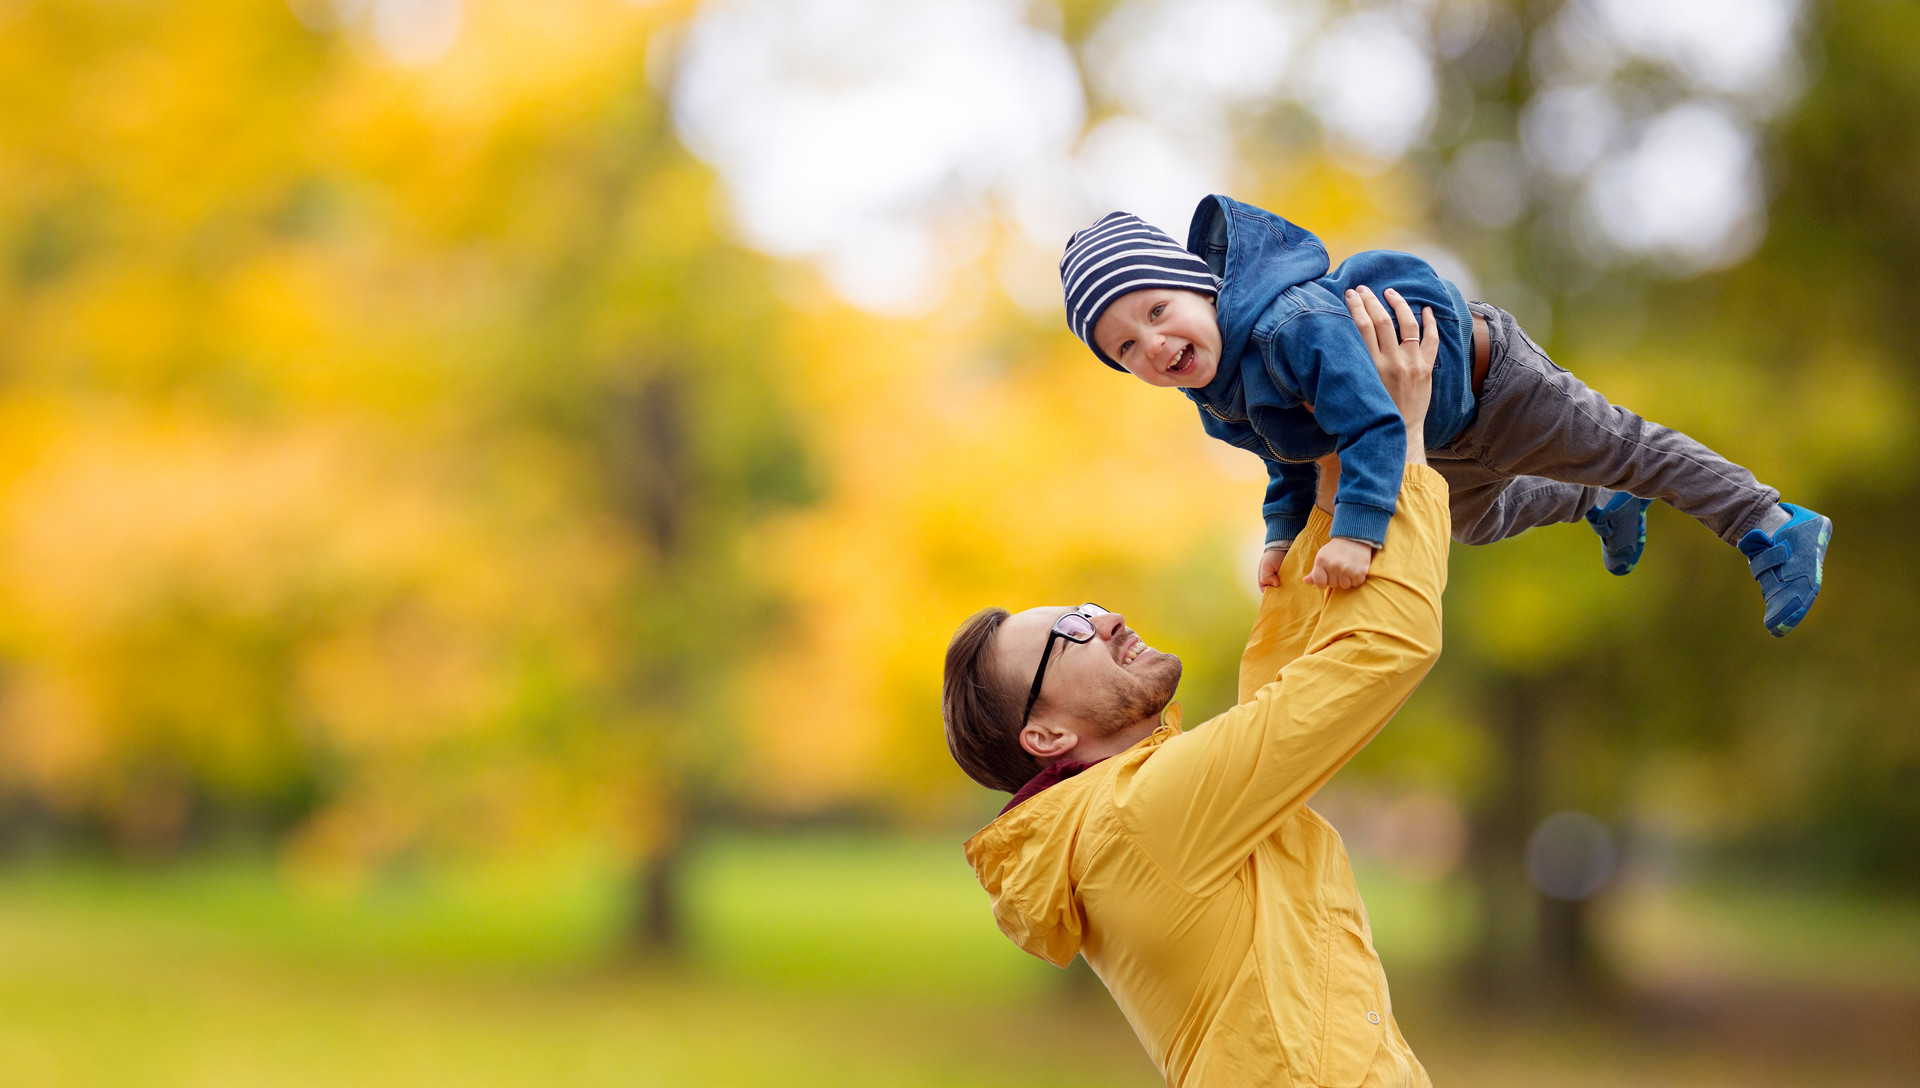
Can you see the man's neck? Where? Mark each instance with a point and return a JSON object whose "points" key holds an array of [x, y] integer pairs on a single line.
{"points": [[1096, 748]]}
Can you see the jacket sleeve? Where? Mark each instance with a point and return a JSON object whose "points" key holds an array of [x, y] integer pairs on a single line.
{"points": [[1290, 491], [1288, 612], [1330, 367], [1200, 803]]}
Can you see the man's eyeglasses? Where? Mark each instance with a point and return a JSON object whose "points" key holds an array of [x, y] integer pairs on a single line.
{"points": [[1075, 626]]}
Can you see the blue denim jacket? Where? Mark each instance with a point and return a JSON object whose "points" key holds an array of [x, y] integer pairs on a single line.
{"points": [[1295, 382]]}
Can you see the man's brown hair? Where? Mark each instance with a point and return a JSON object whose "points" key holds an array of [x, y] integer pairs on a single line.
{"points": [[982, 716]]}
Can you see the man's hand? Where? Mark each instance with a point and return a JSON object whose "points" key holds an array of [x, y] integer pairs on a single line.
{"points": [[1341, 564], [1405, 363]]}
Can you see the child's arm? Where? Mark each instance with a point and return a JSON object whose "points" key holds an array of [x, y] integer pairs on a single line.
{"points": [[1290, 490], [1291, 487], [1342, 562], [1275, 554]]}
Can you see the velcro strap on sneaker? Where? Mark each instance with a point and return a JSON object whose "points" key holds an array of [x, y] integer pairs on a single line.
{"points": [[1769, 559]]}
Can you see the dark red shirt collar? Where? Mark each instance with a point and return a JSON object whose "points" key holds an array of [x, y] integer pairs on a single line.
{"points": [[1051, 775], [1060, 770]]}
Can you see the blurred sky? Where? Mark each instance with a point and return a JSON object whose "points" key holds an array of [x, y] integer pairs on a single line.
{"points": [[882, 139]]}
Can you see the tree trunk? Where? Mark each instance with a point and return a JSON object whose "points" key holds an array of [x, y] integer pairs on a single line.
{"points": [[657, 925], [1530, 945], [1502, 965], [659, 922], [1568, 958]]}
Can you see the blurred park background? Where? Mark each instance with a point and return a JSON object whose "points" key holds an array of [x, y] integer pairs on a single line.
{"points": [[485, 488]]}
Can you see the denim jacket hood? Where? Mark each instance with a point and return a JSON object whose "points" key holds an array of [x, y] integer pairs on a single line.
{"points": [[1254, 265]]}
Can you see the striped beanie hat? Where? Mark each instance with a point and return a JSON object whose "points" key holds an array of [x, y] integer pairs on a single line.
{"points": [[1118, 254]]}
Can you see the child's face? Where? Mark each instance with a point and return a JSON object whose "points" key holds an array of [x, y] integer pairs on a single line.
{"points": [[1163, 336]]}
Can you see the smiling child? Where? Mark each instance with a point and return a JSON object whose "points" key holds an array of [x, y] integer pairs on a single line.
{"points": [[1249, 323]]}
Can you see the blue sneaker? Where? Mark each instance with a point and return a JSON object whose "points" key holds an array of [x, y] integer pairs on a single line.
{"points": [[1622, 525], [1787, 565]]}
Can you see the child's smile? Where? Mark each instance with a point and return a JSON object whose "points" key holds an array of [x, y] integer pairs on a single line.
{"points": [[1162, 335]]}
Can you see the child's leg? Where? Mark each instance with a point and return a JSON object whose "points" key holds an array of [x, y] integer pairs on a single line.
{"points": [[1490, 506], [1536, 419]]}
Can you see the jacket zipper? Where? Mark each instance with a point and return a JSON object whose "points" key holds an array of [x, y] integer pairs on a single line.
{"points": [[1215, 413]]}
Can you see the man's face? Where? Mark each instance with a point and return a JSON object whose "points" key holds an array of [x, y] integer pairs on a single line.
{"points": [[1162, 335], [1104, 685]]}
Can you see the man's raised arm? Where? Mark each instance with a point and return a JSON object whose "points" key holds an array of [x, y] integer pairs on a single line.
{"points": [[1206, 797]]}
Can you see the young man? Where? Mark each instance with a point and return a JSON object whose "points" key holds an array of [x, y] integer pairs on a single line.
{"points": [[1219, 910]]}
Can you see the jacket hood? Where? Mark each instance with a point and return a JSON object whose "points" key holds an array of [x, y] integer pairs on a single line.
{"points": [[1023, 859], [1257, 255]]}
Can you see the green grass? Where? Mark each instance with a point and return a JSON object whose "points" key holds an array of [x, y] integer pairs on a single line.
{"points": [[813, 960], [1768, 935], [550, 915], [868, 915]]}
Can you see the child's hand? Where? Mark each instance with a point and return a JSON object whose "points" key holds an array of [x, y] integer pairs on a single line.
{"points": [[1341, 564], [1270, 560]]}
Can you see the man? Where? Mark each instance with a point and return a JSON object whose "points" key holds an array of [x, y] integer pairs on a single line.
{"points": [[1219, 910]]}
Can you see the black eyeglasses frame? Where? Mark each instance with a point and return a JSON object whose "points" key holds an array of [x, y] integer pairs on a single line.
{"points": [[1046, 653]]}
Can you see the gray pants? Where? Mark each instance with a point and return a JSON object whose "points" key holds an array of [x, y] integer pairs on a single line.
{"points": [[1543, 449]]}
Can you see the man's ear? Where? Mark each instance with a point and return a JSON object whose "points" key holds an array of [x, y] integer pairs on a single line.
{"points": [[1047, 742]]}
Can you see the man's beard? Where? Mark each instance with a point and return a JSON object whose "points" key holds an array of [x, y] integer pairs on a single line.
{"points": [[1122, 707]]}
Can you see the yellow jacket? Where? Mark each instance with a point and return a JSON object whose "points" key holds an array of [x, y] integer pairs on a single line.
{"points": [[1219, 910]]}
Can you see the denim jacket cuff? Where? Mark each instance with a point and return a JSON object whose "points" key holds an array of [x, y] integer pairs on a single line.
{"points": [[1361, 522], [1285, 527]]}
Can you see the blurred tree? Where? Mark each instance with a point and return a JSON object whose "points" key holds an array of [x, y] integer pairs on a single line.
{"points": [[379, 437], [1609, 699], [1819, 733], [398, 461]]}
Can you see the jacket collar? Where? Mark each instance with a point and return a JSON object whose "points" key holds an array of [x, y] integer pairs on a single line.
{"points": [[1062, 769], [1051, 775]]}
